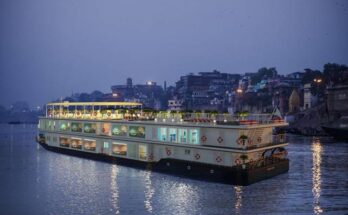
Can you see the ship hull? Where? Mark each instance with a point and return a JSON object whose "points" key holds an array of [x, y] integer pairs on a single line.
{"points": [[207, 172]]}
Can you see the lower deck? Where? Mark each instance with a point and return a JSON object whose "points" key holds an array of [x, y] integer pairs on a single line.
{"points": [[153, 152], [236, 175], [212, 164]]}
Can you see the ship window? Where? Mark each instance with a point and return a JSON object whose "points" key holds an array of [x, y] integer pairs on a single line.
{"points": [[106, 145], [89, 128], [89, 145], [49, 125], [106, 129], [48, 138], [194, 136], [162, 134], [137, 131], [172, 134], [143, 152], [76, 127], [119, 130], [182, 135], [119, 149], [76, 143], [64, 126], [64, 141]]}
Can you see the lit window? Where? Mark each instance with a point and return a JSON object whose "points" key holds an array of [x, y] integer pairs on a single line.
{"points": [[64, 141], [143, 152], [194, 136], [162, 134], [119, 149], [76, 127], [137, 131], [106, 129], [172, 135], [119, 130], [106, 145], [89, 128], [182, 135], [89, 145], [76, 143], [64, 126]]}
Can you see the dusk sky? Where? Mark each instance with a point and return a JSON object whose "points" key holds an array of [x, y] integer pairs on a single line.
{"points": [[50, 49]]}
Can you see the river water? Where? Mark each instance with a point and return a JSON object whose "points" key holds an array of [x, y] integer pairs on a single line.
{"points": [[36, 181]]}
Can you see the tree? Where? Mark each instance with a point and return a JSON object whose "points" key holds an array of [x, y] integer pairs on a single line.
{"points": [[263, 73], [335, 73], [96, 96], [311, 77], [84, 97]]}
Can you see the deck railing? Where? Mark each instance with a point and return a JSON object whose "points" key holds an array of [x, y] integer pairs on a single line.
{"points": [[220, 119]]}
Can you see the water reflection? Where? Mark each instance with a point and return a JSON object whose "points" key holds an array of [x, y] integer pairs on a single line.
{"points": [[316, 176], [114, 189], [149, 191], [238, 190]]}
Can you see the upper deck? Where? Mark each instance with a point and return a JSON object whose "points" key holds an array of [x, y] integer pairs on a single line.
{"points": [[133, 112]]}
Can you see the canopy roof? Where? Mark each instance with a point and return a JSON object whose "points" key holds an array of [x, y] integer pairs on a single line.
{"points": [[66, 104]]}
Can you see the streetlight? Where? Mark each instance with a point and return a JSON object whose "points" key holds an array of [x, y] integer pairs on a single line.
{"points": [[239, 90], [317, 80]]}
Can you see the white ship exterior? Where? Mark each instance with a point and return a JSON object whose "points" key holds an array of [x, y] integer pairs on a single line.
{"points": [[222, 148]]}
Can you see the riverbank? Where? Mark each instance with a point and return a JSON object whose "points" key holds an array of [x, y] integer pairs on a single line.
{"points": [[309, 122]]}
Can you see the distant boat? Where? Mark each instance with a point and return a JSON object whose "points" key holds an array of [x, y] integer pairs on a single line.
{"points": [[338, 129], [15, 122]]}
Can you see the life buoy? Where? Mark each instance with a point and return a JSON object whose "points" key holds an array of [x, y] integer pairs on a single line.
{"points": [[109, 113], [168, 151], [218, 159], [240, 141], [250, 141], [220, 139], [203, 138], [197, 156], [259, 139], [237, 161]]}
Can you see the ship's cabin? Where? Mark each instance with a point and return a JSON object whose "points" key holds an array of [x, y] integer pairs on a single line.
{"points": [[133, 111]]}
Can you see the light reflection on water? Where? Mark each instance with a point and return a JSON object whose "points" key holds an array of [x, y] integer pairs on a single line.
{"points": [[33, 179], [114, 189], [316, 171], [238, 194], [149, 191]]}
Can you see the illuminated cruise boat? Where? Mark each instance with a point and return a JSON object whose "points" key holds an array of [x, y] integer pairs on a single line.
{"points": [[216, 147]]}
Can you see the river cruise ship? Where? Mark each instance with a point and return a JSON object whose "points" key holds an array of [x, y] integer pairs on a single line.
{"points": [[233, 149]]}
